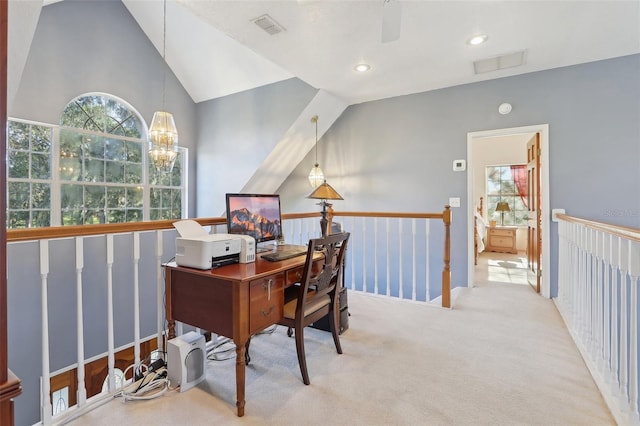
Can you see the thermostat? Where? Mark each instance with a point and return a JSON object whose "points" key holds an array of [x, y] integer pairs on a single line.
{"points": [[459, 165]]}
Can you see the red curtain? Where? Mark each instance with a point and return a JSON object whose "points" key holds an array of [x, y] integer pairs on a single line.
{"points": [[519, 174]]}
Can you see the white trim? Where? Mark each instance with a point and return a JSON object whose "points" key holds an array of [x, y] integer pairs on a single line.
{"points": [[545, 288]]}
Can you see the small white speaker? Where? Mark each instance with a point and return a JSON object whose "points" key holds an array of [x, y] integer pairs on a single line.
{"points": [[186, 360]]}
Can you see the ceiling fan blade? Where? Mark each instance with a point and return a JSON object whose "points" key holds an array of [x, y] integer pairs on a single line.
{"points": [[391, 16]]}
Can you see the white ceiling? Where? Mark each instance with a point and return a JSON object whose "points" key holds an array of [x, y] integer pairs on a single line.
{"points": [[215, 49]]}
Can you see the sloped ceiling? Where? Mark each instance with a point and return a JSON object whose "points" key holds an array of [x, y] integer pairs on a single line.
{"points": [[215, 49]]}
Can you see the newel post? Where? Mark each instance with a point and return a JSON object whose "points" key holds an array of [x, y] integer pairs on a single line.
{"points": [[446, 271]]}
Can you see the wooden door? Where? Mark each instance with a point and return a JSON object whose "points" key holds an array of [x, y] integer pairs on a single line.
{"points": [[534, 229]]}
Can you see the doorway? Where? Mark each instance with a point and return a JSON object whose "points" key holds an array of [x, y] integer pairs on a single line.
{"points": [[481, 139]]}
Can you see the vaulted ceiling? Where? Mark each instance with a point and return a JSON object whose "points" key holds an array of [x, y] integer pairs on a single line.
{"points": [[322, 41]]}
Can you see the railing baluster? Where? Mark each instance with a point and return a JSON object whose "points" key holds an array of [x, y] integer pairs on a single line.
{"points": [[388, 232], [375, 255], [400, 281], [413, 260], [110, 331], [364, 256], [136, 297], [427, 267], [82, 391], [45, 401]]}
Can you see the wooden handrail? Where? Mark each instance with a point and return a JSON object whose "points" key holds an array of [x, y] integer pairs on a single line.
{"points": [[632, 234], [32, 234]]}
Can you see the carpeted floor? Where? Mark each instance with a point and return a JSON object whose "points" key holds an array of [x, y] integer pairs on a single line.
{"points": [[502, 356]]}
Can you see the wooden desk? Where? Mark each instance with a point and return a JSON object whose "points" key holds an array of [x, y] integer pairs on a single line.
{"points": [[234, 301]]}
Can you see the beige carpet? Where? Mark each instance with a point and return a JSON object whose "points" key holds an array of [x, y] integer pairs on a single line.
{"points": [[502, 356]]}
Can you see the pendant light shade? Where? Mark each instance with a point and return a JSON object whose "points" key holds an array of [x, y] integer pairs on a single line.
{"points": [[163, 141], [163, 134], [316, 176]]}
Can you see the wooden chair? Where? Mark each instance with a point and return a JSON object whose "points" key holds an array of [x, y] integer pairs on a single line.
{"points": [[317, 294]]}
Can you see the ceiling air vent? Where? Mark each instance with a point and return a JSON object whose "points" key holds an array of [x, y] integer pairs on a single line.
{"points": [[499, 62], [268, 24]]}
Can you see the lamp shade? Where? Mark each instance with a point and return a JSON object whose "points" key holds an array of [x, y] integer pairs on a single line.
{"points": [[503, 206], [325, 192], [163, 141]]}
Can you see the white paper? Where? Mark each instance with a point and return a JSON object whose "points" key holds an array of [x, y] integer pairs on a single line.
{"points": [[190, 228]]}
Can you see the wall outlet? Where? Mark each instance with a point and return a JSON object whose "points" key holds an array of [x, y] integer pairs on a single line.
{"points": [[454, 201]]}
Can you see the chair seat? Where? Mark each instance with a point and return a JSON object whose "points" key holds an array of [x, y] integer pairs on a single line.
{"points": [[317, 303]]}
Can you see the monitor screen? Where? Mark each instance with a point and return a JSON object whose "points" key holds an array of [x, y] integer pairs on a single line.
{"points": [[257, 215]]}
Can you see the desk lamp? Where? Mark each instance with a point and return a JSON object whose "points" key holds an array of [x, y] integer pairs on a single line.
{"points": [[324, 192], [502, 207]]}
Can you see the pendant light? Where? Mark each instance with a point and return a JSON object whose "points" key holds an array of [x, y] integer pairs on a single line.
{"points": [[163, 135], [316, 176]]}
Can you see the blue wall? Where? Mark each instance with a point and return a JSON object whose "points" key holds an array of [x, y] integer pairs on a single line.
{"points": [[396, 154]]}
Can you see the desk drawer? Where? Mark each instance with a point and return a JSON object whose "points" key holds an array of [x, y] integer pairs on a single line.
{"points": [[294, 276], [267, 301]]}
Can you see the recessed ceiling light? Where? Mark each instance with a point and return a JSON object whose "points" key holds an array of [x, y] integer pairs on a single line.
{"points": [[479, 39], [362, 67]]}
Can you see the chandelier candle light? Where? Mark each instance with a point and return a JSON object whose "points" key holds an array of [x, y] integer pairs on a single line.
{"points": [[163, 135], [316, 176]]}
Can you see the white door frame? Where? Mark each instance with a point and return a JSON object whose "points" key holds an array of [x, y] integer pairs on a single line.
{"points": [[545, 289]]}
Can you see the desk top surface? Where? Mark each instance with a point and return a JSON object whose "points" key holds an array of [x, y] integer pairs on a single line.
{"points": [[248, 271]]}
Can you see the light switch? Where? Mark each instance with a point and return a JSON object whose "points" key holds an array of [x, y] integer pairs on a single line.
{"points": [[454, 201]]}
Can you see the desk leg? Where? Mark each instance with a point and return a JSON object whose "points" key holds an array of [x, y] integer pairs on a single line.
{"points": [[240, 377]]}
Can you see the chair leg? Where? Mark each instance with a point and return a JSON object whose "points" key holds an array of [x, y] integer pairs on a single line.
{"points": [[302, 361], [333, 325]]}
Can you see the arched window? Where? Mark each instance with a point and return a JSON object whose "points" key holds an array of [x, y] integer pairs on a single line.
{"points": [[90, 169], [103, 114]]}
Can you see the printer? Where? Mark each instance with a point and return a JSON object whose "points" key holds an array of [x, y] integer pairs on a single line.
{"points": [[195, 248]]}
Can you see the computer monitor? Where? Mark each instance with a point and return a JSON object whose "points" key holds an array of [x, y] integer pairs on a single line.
{"points": [[257, 215]]}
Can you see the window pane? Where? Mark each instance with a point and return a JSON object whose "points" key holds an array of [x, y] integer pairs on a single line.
{"points": [[115, 150], [17, 219], [115, 197], [134, 215], [19, 195], [72, 217], [40, 166], [94, 147], [95, 197], [41, 196], [116, 216], [18, 164], [41, 139], [94, 171], [41, 219], [94, 217], [133, 173], [18, 134], [114, 172], [134, 197], [134, 152], [72, 196]]}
